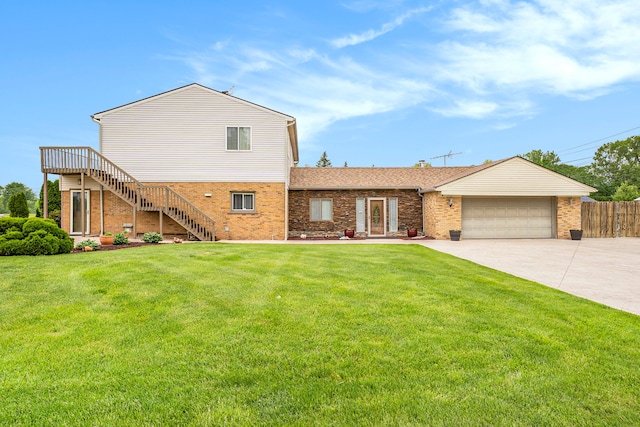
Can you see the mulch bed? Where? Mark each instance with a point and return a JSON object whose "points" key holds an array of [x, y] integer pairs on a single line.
{"points": [[116, 247]]}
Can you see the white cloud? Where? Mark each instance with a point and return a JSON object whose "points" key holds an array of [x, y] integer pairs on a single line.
{"points": [[354, 39], [569, 48], [486, 60]]}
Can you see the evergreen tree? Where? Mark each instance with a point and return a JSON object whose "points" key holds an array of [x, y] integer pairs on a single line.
{"points": [[18, 207], [324, 161]]}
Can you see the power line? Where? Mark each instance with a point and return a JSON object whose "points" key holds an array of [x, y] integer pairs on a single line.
{"points": [[598, 140], [577, 160]]}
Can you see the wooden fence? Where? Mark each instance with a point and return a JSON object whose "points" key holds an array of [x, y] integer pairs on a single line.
{"points": [[611, 219]]}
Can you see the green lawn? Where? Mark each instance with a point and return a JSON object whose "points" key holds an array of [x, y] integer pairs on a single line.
{"points": [[224, 334]]}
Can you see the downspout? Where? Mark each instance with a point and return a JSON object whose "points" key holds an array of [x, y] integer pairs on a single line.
{"points": [[288, 175], [101, 210], [422, 209]]}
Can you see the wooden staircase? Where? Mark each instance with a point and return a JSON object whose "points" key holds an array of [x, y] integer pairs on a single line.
{"points": [[155, 198]]}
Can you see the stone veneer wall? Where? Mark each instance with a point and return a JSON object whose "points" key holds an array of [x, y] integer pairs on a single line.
{"points": [[568, 216], [266, 222], [344, 211], [439, 217]]}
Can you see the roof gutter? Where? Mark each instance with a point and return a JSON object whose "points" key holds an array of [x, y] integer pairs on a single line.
{"points": [[293, 137]]}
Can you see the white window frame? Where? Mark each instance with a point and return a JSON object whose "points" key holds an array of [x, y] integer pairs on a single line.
{"points": [[244, 195], [87, 208], [226, 138], [392, 211], [361, 219], [325, 208]]}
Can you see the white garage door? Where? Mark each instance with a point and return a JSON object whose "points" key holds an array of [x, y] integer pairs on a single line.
{"points": [[507, 217]]}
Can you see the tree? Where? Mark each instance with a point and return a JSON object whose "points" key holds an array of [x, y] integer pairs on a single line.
{"points": [[15, 188], [616, 163], [422, 165], [626, 192], [548, 159], [54, 201], [324, 161], [18, 207]]}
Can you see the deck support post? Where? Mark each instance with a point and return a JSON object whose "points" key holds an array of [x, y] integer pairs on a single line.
{"points": [[45, 197], [83, 207]]}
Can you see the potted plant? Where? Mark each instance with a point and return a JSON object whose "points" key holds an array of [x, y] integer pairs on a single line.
{"points": [[106, 239], [412, 232], [576, 234], [455, 235], [349, 233]]}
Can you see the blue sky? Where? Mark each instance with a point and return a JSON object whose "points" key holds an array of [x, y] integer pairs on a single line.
{"points": [[382, 83]]}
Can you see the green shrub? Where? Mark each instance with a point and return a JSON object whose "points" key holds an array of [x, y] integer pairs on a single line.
{"points": [[48, 225], [41, 243], [66, 245], [88, 242], [11, 247], [14, 235], [7, 223], [120, 239], [34, 236], [18, 206], [152, 237]]}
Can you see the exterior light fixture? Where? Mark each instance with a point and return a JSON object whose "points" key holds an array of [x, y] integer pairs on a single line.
{"points": [[450, 202]]}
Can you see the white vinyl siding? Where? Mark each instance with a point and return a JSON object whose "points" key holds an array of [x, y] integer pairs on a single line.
{"points": [[507, 217], [515, 177], [360, 216], [242, 201], [238, 138], [321, 209], [181, 137], [393, 214]]}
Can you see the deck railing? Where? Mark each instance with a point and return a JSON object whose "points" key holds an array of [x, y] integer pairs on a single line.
{"points": [[68, 160]]}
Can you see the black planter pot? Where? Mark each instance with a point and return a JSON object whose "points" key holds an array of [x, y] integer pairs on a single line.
{"points": [[455, 235], [576, 234]]}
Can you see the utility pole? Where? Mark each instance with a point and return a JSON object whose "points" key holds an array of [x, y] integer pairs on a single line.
{"points": [[444, 156]]}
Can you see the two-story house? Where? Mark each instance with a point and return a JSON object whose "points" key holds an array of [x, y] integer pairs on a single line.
{"points": [[198, 162], [190, 160]]}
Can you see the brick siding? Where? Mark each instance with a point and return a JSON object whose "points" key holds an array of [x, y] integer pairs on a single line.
{"points": [[344, 211], [568, 216]]}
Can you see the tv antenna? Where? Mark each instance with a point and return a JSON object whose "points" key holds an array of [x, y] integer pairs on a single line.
{"points": [[444, 156]]}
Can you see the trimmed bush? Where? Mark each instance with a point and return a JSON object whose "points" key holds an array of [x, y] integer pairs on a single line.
{"points": [[11, 247], [34, 236], [48, 225], [7, 223], [41, 243], [120, 239], [152, 237], [13, 235], [88, 242]]}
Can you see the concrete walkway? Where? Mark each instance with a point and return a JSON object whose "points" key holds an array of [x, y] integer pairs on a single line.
{"points": [[602, 270]]}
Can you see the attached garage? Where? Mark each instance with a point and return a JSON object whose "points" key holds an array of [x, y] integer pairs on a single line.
{"points": [[508, 217], [507, 199]]}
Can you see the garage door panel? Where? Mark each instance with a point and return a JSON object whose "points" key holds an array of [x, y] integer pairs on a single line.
{"points": [[507, 217]]}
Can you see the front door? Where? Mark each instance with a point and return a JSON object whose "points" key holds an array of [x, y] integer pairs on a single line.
{"points": [[76, 209], [377, 217]]}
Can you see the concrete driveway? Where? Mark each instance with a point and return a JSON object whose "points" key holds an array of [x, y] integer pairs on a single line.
{"points": [[602, 270]]}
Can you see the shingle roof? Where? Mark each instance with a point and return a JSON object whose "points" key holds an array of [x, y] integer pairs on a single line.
{"points": [[310, 178]]}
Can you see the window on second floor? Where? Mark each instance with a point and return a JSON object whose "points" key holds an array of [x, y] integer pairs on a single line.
{"points": [[242, 201], [238, 138]]}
